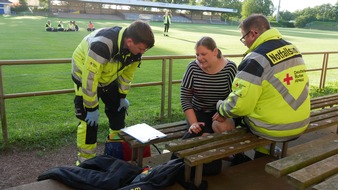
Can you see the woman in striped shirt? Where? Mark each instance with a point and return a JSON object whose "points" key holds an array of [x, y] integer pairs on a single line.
{"points": [[206, 80]]}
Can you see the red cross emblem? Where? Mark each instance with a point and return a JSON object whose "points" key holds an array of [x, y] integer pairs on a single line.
{"points": [[287, 79]]}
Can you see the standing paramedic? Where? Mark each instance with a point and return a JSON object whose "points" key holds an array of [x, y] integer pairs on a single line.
{"points": [[271, 89], [166, 22], [103, 66]]}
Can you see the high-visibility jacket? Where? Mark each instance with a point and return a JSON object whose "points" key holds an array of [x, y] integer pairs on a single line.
{"points": [[60, 26], [166, 19], [271, 89], [48, 25], [101, 59]]}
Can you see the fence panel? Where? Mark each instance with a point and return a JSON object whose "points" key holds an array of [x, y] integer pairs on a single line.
{"points": [[167, 79]]}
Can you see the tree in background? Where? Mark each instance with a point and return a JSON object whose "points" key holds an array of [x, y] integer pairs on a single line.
{"points": [[44, 4], [305, 16], [21, 6], [230, 4], [287, 16], [326, 12], [264, 7]]}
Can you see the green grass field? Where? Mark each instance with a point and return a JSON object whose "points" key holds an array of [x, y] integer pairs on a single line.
{"points": [[48, 121]]}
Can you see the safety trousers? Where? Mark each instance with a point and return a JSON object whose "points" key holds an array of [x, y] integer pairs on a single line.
{"points": [[87, 135]]}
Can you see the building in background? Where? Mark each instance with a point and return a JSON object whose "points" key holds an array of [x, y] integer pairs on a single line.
{"points": [[5, 7]]}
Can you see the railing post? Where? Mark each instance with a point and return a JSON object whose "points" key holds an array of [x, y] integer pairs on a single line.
{"points": [[3, 110], [324, 71], [170, 87], [164, 66]]}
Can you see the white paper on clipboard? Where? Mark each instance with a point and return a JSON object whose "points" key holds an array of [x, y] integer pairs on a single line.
{"points": [[143, 132]]}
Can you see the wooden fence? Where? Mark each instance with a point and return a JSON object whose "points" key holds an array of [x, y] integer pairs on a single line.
{"points": [[167, 79]]}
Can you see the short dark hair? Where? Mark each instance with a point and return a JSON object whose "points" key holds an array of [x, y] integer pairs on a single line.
{"points": [[140, 32], [209, 43], [256, 21]]}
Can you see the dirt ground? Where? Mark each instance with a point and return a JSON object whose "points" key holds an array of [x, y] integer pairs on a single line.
{"points": [[18, 168]]}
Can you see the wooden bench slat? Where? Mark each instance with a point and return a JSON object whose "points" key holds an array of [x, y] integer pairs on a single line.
{"points": [[169, 125], [324, 104], [213, 145], [321, 98], [169, 137], [171, 132], [323, 111], [196, 141], [324, 115], [328, 122], [225, 151], [314, 173], [296, 161], [324, 101], [178, 128], [311, 144], [328, 184]]}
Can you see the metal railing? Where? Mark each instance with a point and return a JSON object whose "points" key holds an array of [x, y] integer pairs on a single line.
{"points": [[170, 82]]}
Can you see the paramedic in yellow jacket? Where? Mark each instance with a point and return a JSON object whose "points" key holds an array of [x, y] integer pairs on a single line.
{"points": [[271, 89], [166, 22], [103, 67]]}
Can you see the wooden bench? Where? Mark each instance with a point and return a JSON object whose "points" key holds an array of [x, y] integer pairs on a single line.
{"points": [[174, 130], [315, 162], [319, 119], [199, 150]]}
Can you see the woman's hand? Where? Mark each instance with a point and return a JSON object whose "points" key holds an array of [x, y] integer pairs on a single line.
{"points": [[196, 127]]}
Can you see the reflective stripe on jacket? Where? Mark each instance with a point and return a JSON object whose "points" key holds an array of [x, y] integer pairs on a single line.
{"points": [[99, 60], [271, 89], [167, 19]]}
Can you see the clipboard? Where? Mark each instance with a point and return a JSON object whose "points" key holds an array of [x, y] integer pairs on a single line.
{"points": [[143, 132]]}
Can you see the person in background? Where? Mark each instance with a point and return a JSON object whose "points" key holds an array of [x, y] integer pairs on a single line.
{"points": [[76, 27], [60, 26], [206, 80], [49, 27], [103, 66], [71, 27], [90, 26], [270, 92], [166, 22]]}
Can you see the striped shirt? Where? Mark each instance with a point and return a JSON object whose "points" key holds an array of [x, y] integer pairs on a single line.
{"points": [[201, 91]]}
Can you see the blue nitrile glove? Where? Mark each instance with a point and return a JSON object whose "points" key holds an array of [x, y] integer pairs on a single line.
{"points": [[124, 103], [92, 117]]}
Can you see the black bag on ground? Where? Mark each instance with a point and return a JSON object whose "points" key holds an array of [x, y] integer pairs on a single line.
{"points": [[101, 172], [158, 177]]}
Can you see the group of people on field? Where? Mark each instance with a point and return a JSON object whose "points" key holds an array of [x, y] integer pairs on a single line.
{"points": [[71, 27], [264, 92]]}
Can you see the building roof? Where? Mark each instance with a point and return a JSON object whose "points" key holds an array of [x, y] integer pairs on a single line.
{"points": [[163, 5], [5, 2]]}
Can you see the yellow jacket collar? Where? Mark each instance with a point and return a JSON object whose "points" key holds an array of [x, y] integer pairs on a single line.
{"points": [[271, 34]]}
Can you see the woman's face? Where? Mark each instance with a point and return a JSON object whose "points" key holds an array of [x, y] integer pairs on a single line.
{"points": [[206, 57]]}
